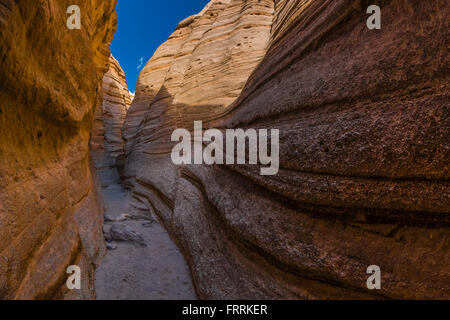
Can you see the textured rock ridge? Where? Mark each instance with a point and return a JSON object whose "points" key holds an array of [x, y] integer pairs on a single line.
{"points": [[364, 123], [199, 71], [107, 143], [50, 80]]}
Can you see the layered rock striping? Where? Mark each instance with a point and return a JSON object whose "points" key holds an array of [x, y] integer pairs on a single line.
{"points": [[364, 125], [50, 80], [107, 144]]}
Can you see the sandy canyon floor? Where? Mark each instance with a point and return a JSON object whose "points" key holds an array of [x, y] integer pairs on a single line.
{"points": [[150, 269]]}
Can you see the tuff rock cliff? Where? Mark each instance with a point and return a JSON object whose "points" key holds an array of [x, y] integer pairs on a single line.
{"points": [[50, 80], [201, 69], [107, 143], [364, 123]]}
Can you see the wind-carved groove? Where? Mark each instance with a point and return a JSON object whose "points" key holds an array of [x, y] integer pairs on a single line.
{"points": [[168, 202], [372, 215], [251, 251]]}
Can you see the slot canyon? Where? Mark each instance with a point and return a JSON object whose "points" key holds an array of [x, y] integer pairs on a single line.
{"points": [[86, 176]]}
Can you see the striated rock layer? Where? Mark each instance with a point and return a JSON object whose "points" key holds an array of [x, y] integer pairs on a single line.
{"points": [[107, 143], [50, 80], [364, 123], [199, 71]]}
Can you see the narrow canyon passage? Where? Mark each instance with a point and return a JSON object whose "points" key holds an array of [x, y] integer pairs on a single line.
{"points": [[149, 265], [141, 262], [361, 182], [88, 180]]}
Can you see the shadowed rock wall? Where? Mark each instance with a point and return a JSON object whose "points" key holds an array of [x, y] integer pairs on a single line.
{"points": [[50, 80], [364, 123]]}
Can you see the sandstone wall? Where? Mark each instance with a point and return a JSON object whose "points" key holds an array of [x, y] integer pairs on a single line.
{"points": [[364, 124], [107, 143], [50, 80], [199, 71]]}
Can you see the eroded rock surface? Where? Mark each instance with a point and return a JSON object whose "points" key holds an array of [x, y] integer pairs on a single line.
{"points": [[364, 122], [107, 143], [122, 232], [50, 80], [199, 71]]}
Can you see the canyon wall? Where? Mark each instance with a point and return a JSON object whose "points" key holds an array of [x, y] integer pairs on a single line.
{"points": [[364, 124], [201, 69], [107, 143], [50, 80]]}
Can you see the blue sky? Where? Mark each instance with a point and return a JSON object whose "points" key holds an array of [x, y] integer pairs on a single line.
{"points": [[143, 25]]}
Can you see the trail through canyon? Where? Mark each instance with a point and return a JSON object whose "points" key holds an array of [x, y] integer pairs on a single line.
{"points": [[141, 262], [148, 265]]}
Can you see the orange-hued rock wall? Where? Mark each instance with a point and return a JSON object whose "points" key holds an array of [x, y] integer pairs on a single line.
{"points": [[50, 85], [364, 124]]}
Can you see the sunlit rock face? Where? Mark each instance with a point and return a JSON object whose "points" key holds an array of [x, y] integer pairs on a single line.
{"points": [[199, 71], [364, 127], [107, 142], [50, 80]]}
